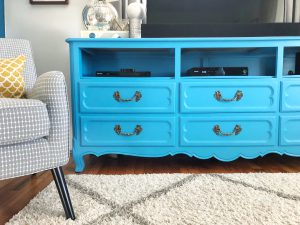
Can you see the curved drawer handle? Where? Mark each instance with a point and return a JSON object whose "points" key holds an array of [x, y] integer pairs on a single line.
{"points": [[236, 131], [136, 97], [238, 96], [137, 130]]}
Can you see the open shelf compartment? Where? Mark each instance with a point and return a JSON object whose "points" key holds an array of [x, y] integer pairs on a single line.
{"points": [[261, 62], [159, 61], [289, 62]]}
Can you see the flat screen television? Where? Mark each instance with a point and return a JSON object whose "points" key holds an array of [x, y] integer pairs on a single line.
{"points": [[222, 18]]}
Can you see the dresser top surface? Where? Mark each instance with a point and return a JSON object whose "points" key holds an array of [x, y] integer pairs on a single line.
{"points": [[229, 39]]}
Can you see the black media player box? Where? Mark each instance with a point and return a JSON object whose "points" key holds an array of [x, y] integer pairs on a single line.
{"points": [[297, 64]]}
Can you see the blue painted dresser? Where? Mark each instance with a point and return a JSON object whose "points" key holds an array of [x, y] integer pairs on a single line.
{"points": [[225, 117]]}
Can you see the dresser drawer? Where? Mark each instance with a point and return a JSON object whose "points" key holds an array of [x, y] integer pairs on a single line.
{"points": [[229, 96], [234, 131], [127, 97], [127, 131], [289, 130], [290, 96]]}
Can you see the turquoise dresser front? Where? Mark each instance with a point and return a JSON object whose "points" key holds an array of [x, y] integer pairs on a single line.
{"points": [[170, 113]]}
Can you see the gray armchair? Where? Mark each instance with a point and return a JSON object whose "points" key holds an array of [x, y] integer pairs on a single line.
{"points": [[34, 131]]}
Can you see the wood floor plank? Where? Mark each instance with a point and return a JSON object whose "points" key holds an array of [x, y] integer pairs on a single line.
{"points": [[16, 193]]}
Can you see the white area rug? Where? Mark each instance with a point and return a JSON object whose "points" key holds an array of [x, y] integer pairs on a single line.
{"points": [[171, 199]]}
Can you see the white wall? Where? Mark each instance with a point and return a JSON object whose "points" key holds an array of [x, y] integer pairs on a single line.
{"points": [[46, 27]]}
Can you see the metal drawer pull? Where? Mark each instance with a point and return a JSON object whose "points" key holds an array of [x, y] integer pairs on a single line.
{"points": [[236, 131], [137, 130], [136, 97], [238, 96]]}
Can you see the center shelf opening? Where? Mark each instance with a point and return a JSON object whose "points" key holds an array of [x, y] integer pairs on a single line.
{"points": [[237, 62]]}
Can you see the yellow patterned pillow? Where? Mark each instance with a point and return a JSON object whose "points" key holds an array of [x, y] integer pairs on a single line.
{"points": [[12, 83]]}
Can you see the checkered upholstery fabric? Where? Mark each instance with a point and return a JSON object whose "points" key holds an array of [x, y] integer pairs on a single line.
{"points": [[11, 48], [22, 120], [26, 158], [45, 152], [50, 88]]}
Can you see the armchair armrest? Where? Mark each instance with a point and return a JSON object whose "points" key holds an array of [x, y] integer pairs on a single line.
{"points": [[50, 88]]}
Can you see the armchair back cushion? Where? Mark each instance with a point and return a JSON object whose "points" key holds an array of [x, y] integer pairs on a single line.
{"points": [[11, 48]]}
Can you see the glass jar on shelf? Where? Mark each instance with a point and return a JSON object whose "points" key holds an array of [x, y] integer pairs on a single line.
{"points": [[99, 15]]}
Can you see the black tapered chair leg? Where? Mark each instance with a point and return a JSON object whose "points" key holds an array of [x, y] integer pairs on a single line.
{"points": [[58, 176]]}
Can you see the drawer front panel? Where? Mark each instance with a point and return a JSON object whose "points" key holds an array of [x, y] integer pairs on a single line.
{"points": [[229, 96], [234, 131], [290, 96], [289, 133], [127, 98], [127, 131]]}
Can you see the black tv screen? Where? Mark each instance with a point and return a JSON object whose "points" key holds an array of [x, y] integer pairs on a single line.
{"points": [[222, 11], [222, 18]]}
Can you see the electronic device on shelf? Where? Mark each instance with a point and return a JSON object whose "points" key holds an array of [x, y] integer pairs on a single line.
{"points": [[297, 63], [123, 73], [218, 71]]}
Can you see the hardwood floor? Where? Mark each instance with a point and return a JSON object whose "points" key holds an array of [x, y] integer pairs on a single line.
{"points": [[16, 193]]}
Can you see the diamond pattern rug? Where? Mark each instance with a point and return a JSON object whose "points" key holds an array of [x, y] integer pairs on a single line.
{"points": [[171, 199]]}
